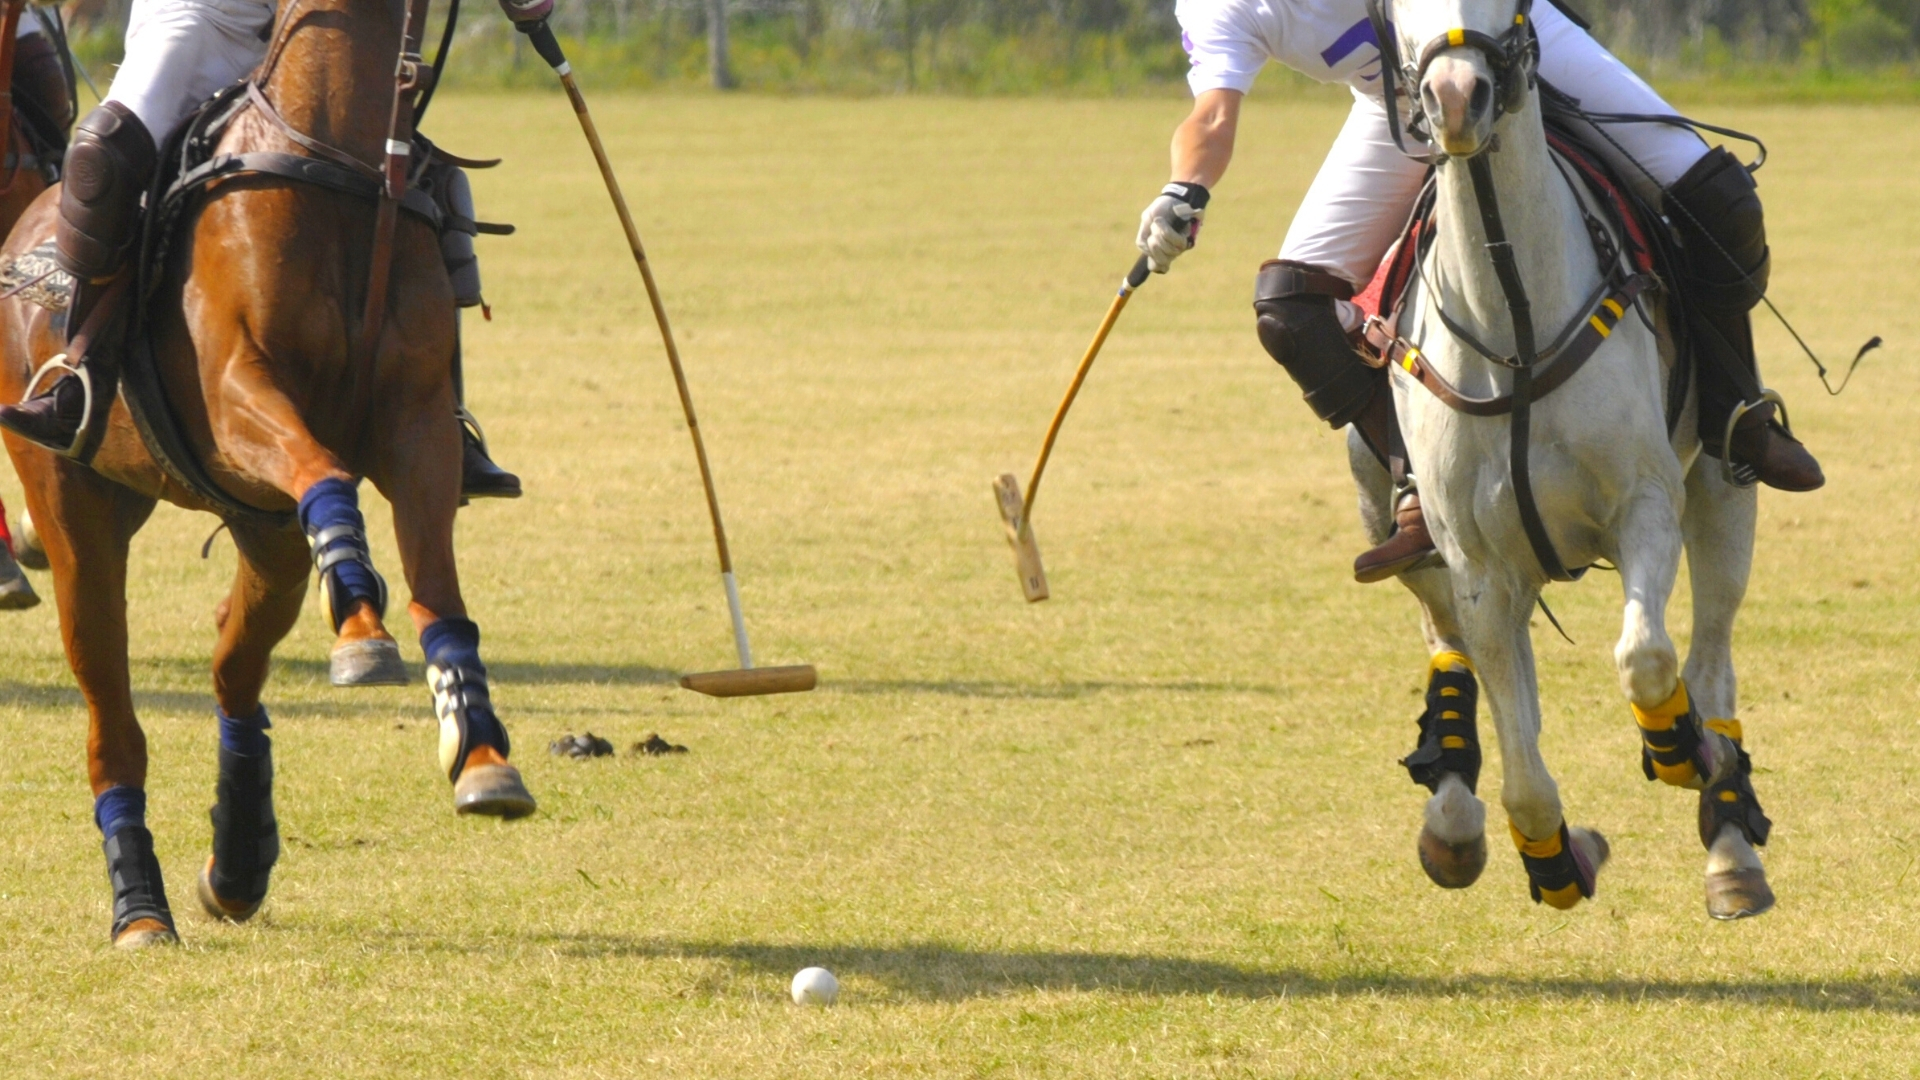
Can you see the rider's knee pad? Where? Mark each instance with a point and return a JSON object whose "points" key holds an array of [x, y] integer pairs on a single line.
{"points": [[1301, 329], [456, 240], [1716, 208], [108, 167]]}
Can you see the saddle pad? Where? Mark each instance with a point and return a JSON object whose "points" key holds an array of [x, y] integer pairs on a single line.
{"points": [[36, 278]]}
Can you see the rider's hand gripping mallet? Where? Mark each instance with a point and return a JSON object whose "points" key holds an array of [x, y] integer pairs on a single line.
{"points": [[1016, 512], [747, 679]]}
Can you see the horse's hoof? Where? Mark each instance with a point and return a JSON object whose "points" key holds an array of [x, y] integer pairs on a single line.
{"points": [[16, 593], [145, 934], [224, 910], [1452, 866], [367, 662], [1738, 894], [492, 790]]}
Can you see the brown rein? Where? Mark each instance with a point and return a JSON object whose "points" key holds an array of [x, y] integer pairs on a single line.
{"points": [[1567, 361]]}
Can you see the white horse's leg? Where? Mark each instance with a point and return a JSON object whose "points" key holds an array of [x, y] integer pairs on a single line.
{"points": [[1562, 864], [1676, 746], [1453, 841], [1719, 527]]}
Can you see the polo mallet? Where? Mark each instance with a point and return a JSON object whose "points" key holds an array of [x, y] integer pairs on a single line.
{"points": [[1016, 512], [747, 679]]}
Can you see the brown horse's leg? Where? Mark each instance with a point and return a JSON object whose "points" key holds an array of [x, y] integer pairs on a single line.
{"points": [[422, 481], [87, 523], [265, 436], [267, 591]]}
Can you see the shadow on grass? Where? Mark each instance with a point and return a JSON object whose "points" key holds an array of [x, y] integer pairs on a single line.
{"points": [[942, 973]]}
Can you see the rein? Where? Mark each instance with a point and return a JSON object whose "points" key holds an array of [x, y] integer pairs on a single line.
{"points": [[410, 75]]}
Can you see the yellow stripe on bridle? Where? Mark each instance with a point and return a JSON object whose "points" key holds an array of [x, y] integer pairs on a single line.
{"points": [[1614, 306], [1409, 358], [1456, 37], [1594, 321]]}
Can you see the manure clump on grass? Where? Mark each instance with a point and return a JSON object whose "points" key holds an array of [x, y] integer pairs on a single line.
{"points": [[655, 746], [580, 746]]}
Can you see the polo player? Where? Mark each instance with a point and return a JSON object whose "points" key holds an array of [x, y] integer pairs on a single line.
{"points": [[1366, 188], [178, 54]]}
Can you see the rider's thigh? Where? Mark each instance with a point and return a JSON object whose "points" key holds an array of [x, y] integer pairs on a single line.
{"points": [[179, 52], [1359, 200], [1571, 60]]}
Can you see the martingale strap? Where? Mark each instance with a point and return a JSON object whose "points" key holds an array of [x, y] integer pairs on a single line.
{"points": [[1598, 325]]}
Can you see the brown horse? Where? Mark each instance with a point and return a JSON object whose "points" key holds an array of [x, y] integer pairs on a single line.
{"points": [[256, 337]]}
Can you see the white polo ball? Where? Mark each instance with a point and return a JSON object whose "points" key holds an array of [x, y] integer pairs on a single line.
{"points": [[815, 986]]}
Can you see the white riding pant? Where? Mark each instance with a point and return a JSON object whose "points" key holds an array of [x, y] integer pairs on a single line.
{"points": [[180, 52], [1365, 189]]}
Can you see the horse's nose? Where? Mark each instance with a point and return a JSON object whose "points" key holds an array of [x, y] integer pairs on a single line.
{"points": [[1459, 99]]}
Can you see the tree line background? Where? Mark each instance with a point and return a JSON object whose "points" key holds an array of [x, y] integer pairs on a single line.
{"points": [[1083, 46]]}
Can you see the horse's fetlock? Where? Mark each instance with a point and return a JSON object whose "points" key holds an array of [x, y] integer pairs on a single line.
{"points": [[1559, 873], [1454, 813]]}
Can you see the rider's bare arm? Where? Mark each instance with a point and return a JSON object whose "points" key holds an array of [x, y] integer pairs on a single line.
{"points": [[1202, 147], [1203, 143]]}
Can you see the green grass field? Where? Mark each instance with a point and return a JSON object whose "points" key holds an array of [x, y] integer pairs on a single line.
{"points": [[1151, 828]]}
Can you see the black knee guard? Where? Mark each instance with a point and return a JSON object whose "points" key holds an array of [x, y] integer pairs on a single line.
{"points": [[1716, 209], [108, 168], [1300, 328]]}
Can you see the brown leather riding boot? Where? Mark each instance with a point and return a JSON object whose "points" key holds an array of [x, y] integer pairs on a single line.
{"points": [[1777, 459], [1406, 549], [1409, 544]]}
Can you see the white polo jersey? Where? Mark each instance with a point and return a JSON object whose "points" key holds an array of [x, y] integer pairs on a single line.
{"points": [[1229, 41]]}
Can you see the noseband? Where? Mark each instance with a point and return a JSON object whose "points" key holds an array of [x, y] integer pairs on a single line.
{"points": [[1513, 58]]}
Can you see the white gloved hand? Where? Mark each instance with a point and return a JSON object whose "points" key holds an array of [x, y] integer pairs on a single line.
{"points": [[1171, 224]]}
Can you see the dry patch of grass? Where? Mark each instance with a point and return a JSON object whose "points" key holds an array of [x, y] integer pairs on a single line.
{"points": [[1150, 828]]}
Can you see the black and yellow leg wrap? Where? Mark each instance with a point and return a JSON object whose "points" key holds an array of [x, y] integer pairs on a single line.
{"points": [[1449, 739], [1670, 739], [1554, 872], [1732, 801]]}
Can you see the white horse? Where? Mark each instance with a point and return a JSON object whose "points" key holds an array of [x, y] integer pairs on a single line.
{"points": [[1609, 482]]}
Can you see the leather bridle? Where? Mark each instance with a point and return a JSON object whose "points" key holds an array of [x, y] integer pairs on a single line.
{"points": [[1513, 58]]}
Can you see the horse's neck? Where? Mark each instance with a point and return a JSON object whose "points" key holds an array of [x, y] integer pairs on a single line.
{"points": [[1543, 224], [333, 79]]}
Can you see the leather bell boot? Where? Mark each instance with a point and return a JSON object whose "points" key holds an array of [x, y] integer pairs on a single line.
{"points": [[1408, 547], [1777, 458], [52, 418], [480, 478]]}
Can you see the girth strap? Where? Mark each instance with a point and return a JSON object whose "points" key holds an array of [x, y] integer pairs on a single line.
{"points": [[1592, 331]]}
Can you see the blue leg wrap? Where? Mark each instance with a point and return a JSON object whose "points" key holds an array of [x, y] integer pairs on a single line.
{"points": [[247, 735], [119, 807], [330, 516], [460, 698]]}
